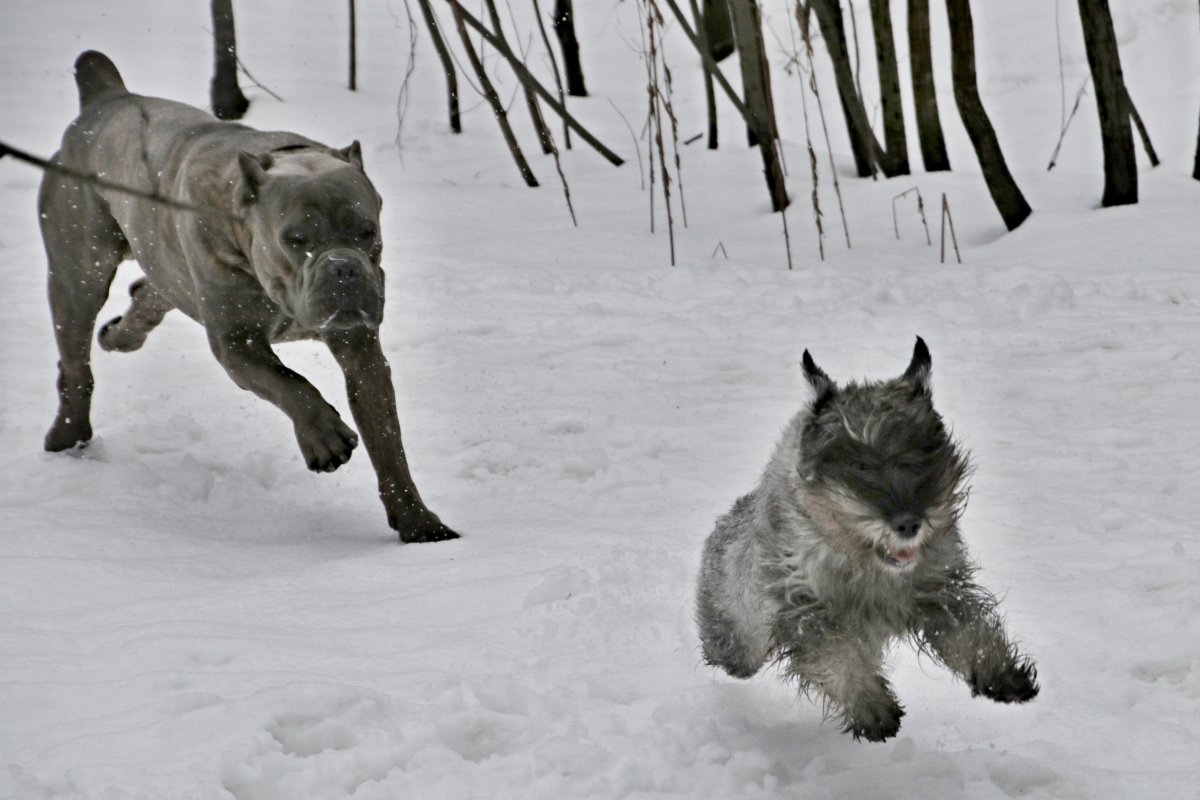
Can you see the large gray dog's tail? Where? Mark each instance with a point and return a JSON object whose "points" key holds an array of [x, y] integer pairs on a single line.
{"points": [[97, 78]]}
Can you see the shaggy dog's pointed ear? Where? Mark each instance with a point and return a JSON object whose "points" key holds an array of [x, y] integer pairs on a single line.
{"points": [[353, 154], [823, 387], [254, 175], [920, 369]]}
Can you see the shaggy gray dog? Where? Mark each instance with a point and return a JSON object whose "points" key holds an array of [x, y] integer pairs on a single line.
{"points": [[850, 541]]}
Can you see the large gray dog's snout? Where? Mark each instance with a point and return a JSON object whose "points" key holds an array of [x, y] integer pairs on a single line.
{"points": [[343, 290]]}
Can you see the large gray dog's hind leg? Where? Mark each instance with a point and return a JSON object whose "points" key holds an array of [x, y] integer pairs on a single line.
{"points": [[128, 332], [83, 248]]}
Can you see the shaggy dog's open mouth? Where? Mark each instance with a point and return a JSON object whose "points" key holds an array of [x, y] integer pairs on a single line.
{"points": [[901, 557]]}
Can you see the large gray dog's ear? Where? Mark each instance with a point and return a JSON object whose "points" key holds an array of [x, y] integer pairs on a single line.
{"points": [[254, 175], [823, 387], [920, 369], [353, 154]]}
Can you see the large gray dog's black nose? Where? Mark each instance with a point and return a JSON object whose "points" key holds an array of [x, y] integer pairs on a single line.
{"points": [[905, 524]]}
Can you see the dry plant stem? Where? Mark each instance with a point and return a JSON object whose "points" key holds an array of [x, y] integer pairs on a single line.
{"points": [[802, 16], [102, 183], [920, 210], [409, 67], [527, 78], [489, 93], [653, 19], [946, 217], [637, 150], [562, 97], [1067, 123], [669, 107], [439, 44], [256, 82], [787, 239]]}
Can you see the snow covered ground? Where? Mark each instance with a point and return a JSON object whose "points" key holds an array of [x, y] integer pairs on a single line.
{"points": [[185, 612]]}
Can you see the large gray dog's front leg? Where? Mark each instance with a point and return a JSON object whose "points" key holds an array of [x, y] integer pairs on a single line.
{"points": [[373, 403], [325, 441]]}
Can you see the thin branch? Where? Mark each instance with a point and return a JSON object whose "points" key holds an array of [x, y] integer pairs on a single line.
{"points": [[527, 78], [920, 210], [101, 183]]}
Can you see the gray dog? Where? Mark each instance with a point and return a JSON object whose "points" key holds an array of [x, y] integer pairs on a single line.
{"points": [[289, 248], [852, 541]]}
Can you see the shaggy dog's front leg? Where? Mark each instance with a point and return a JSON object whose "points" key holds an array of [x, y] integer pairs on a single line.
{"points": [[847, 670], [967, 635]]}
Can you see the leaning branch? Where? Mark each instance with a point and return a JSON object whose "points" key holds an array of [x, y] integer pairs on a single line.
{"points": [[530, 82], [102, 183]]}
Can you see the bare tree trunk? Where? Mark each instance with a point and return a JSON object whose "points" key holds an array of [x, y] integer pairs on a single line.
{"points": [[1120, 161], [929, 124], [564, 29], [756, 86], [226, 96], [1005, 193], [894, 159], [489, 93], [710, 97], [353, 48], [862, 138], [439, 44], [1196, 164]]}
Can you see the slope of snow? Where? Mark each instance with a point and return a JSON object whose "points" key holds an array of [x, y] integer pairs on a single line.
{"points": [[186, 612]]}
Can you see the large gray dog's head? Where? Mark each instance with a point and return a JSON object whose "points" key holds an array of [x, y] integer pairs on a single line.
{"points": [[315, 246]]}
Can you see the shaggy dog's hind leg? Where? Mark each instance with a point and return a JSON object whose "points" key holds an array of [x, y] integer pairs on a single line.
{"points": [[847, 671], [732, 612]]}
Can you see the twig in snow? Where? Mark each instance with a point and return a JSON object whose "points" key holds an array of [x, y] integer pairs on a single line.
{"points": [[920, 210], [947, 217]]}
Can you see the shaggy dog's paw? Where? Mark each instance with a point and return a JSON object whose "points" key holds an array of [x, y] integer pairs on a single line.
{"points": [[875, 724], [1015, 684]]}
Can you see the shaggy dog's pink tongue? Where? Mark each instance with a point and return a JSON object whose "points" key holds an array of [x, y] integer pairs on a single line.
{"points": [[905, 555]]}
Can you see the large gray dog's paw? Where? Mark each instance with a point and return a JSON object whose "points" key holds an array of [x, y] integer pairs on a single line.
{"points": [[326, 442], [420, 528]]}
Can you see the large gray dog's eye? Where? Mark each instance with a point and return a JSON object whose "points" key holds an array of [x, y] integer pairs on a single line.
{"points": [[368, 232], [298, 239]]}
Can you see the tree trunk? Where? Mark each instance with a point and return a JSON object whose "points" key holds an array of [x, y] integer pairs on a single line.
{"points": [[710, 96], [1116, 135], [439, 44], [894, 159], [756, 87], [564, 29], [1147, 145], [226, 96], [862, 138], [1004, 190], [1196, 165], [929, 124], [717, 27], [353, 48]]}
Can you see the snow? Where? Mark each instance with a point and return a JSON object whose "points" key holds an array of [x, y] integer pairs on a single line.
{"points": [[186, 612]]}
